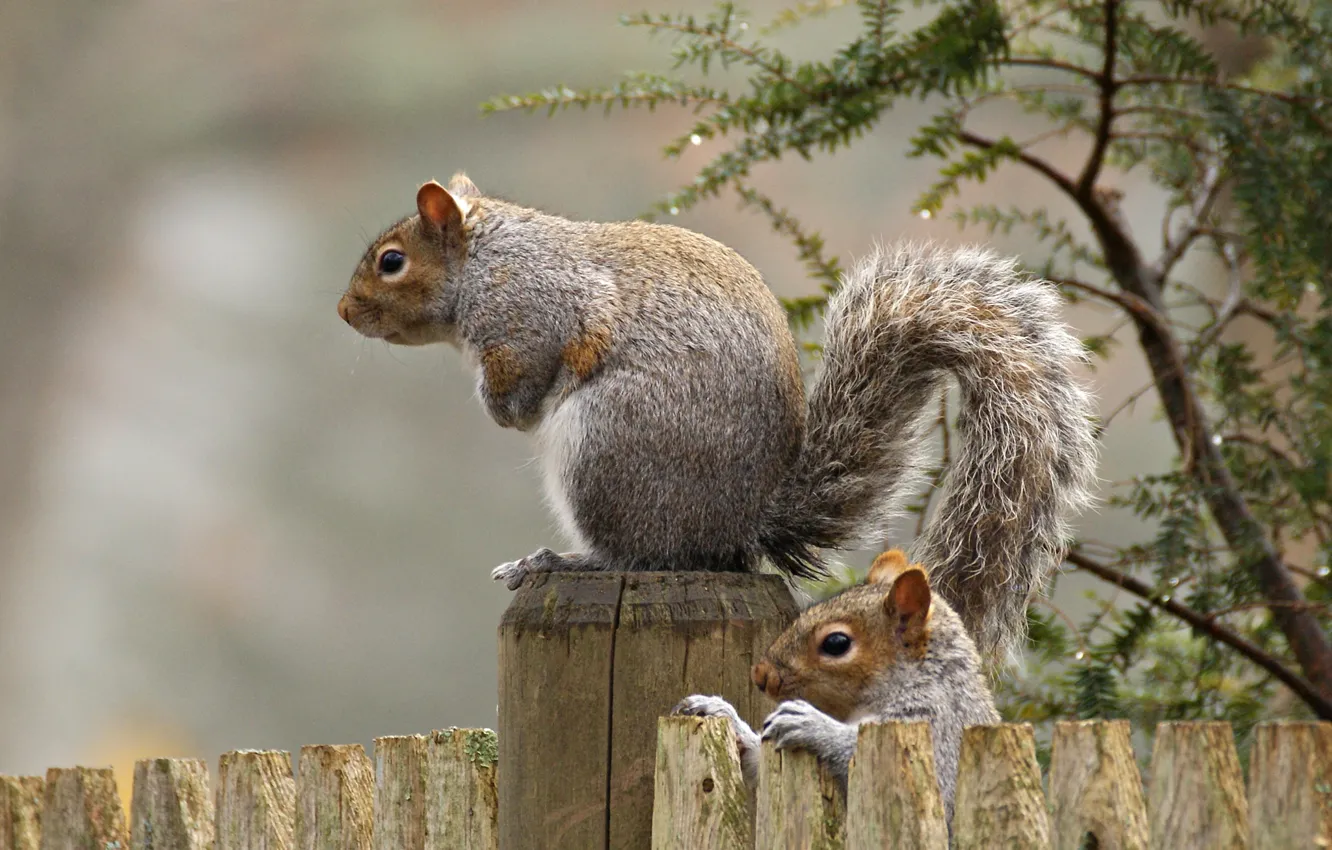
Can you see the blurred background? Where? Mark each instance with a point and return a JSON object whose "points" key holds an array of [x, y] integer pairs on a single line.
{"points": [[227, 521]]}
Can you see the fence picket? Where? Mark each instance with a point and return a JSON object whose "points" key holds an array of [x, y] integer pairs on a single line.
{"points": [[1196, 799], [799, 805], [893, 792], [462, 806], [21, 812], [999, 800], [171, 808], [335, 794], [1095, 787], [256, 801], [699, 796], [1290, 786], [80, 809]]}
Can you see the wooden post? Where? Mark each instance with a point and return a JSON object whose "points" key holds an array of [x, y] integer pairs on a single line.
{"points": [[256, 801], [1290, 786], [999, 801], [893, 792], [81, 809], [587, 663], [1196, 799], [171, 808], [335, 798], [1095, 787], [799, 804], [400, 792], [700, 798], [462, 801], [21, 812]]}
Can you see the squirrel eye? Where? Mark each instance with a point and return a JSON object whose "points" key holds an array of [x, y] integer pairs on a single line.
{"points": [[391, 262], [836, 644]]}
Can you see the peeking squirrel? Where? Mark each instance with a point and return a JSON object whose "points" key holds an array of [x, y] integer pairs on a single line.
{"points": [[659, 377], [888, 649]]}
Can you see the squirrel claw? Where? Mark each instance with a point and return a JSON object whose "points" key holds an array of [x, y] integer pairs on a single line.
{"points": [[513, 573]]}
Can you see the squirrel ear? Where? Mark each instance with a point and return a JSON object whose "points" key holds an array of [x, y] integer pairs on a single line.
{"points": [[909, 603], [887, 567], [437, 206], [461, 187]]}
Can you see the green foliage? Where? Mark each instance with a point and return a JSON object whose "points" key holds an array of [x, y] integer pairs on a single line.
{"points": [[1245, 161]]}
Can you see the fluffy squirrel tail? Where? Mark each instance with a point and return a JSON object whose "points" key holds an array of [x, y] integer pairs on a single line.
{"points": [[905, 319]]}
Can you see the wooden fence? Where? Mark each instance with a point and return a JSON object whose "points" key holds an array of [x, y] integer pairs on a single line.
{"points": [[436, 791]]}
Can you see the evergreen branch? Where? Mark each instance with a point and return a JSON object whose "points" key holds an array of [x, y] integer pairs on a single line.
{"points": [[1222, 85], [1052, 64], [1107, 85], [1302, 687]]}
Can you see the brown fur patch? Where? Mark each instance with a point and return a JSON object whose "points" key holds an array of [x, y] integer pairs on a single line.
{"points": [[583, 355], [887, 567], [501, 369]]}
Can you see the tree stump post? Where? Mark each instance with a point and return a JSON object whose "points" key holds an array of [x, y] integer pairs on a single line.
{"points": [[587, 664]]}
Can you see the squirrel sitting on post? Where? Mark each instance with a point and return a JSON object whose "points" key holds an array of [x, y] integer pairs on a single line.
{"points": [[661, 381]]}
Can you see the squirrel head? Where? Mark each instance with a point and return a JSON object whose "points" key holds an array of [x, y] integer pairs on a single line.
{"points": [[397, 292], [836, 649]]}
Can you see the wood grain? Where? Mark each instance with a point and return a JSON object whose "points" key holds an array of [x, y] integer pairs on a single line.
{"points": [[256, 801], [1290, 786], [21, 812], [1095, 787], [799, 804], [462, 803], [81, 809], [999, 801], [700, 799], [335, 798], [893, 792], [172, 806], [1196, 797]]}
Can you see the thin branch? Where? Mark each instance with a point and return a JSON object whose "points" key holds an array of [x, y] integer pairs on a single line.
{"points": [[1302, 687], [1105, 81], [1053, 64], [1161, 79], [1199, 212]]}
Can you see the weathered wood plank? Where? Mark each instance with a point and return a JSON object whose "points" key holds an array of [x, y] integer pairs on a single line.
{"points": [[400, 792], [335, 798], [555, 655], [21, 812], [1196, 797], [999, 801], [681, 634], [81, 809], [1095, 787], [1290, 786], [172, 806], [462, 800], [893, 792], [799, 805], [256, 801], [700, 798]]}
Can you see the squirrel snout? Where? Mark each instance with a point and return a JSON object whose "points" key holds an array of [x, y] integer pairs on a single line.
{"points": [[767, 679], [344, 308]]}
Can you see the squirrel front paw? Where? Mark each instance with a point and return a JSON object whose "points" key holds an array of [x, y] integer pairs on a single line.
{"points": [[795, 724], [745, 738], [513, 573]]}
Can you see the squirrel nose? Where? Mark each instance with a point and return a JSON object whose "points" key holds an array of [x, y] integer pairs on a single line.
{"points": [[767, 679], [344, 308]]}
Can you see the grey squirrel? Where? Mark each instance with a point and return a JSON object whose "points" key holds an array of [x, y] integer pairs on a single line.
{"points": [[884, 650], [661, 381]]}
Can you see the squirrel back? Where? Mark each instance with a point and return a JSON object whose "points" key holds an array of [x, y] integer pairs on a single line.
{"points": [[903, 321]]}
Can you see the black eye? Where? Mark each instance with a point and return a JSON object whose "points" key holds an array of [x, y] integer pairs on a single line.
{"points": [[391, 262], [836, 644]]}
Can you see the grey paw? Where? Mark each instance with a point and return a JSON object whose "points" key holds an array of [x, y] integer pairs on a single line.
{"points": [[706, 706], [513, 573], [795, 724]]}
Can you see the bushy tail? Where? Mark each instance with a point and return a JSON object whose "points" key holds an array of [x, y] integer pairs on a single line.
{"points": [[905, 319]]}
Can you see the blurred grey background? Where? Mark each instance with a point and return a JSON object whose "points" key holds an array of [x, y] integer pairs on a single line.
{"points": [[226, 521]]}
